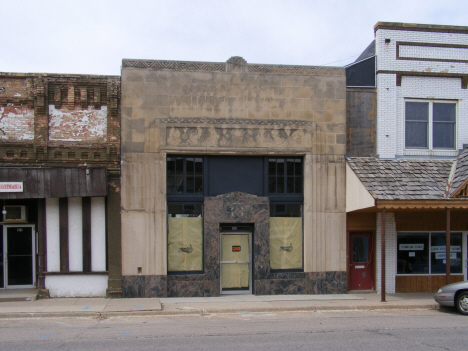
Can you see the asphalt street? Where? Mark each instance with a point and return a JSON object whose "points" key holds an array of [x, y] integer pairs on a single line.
{"points": [[333, 330]]}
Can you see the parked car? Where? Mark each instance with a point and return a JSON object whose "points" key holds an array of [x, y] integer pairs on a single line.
{"points": [[455, 294]]}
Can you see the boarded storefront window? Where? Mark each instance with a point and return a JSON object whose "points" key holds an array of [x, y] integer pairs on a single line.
{"points": [[286, 237], [185, 238]]}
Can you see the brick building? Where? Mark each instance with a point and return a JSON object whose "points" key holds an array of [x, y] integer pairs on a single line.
{"points": [[407, 129], [59, 183]]}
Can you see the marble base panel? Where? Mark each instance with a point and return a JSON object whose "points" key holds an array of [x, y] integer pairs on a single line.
{"points": [[144, 286], [280, 287], [198, 286], [212, 288], [185, 289], [191, 285], [326, 283], [262, 287], [287, 287]]}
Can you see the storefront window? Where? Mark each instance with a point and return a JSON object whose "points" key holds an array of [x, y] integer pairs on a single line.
{"points": [[185, 238], [413, 253], [285, 236], [438, 253]]}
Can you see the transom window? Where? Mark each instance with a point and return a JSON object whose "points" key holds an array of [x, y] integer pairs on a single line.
{"points": [[184, 175], [285, 175], [430, 124]]}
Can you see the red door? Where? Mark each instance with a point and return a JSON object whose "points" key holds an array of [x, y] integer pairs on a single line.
{"points": [[361, 262]]}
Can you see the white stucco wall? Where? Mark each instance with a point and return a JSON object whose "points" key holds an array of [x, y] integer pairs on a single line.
{"points": [[53, 235], [76, 285], [98, 234], [75, 234]]}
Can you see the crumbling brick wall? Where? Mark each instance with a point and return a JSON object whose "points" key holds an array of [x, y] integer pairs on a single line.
{"points": [[50, 119]]}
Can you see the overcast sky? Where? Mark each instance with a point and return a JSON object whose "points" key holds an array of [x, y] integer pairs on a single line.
{"points": [[92, 37]]}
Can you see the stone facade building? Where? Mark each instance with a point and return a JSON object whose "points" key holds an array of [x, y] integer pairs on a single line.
{"points": [[233, 178], [59, 183]]}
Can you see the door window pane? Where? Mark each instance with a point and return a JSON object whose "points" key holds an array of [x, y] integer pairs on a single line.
{"points": [[360, 250]]}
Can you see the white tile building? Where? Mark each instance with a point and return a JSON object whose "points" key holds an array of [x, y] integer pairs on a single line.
{"points": [[419, 63], [417, 172]]}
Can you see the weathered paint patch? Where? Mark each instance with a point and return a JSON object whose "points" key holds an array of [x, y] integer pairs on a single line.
{"points": [[78, 125], [16, 123]]}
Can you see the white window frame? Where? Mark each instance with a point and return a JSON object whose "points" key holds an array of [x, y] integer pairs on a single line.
{"points": [[430, 122]]}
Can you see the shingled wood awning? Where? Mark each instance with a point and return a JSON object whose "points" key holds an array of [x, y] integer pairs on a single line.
{"points": [[407, 184], [55, 182]]}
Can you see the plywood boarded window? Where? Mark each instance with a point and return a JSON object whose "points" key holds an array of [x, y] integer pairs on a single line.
{"points": [[185, 238], [286, 249]]}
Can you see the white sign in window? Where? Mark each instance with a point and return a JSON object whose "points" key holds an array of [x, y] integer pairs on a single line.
{"points": [[411, 247], [441, 256], [11, 187], [442, 249]]}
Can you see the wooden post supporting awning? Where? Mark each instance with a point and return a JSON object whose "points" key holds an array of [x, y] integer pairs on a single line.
{"points": [[382, 279], [447, 247]]}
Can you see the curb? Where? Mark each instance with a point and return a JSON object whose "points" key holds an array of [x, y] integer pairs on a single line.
{"points": [[202, 312]]}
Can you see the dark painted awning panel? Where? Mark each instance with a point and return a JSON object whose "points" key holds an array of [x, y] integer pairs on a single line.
{"points": [[55, 182]]}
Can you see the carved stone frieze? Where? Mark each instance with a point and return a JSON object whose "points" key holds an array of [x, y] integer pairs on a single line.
{"points": [[237, 121], [224, 66], [239, 137], [176, 65]]}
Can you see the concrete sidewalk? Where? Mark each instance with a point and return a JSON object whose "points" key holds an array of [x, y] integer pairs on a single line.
{"points": [[106, 307]]}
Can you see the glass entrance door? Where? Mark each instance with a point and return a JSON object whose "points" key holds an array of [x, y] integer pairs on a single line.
{"points": [[18, 253], [236, 262]]}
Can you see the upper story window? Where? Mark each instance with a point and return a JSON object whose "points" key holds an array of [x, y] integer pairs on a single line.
{"points": [[430, 125], [285, 176], [184, 175]]}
